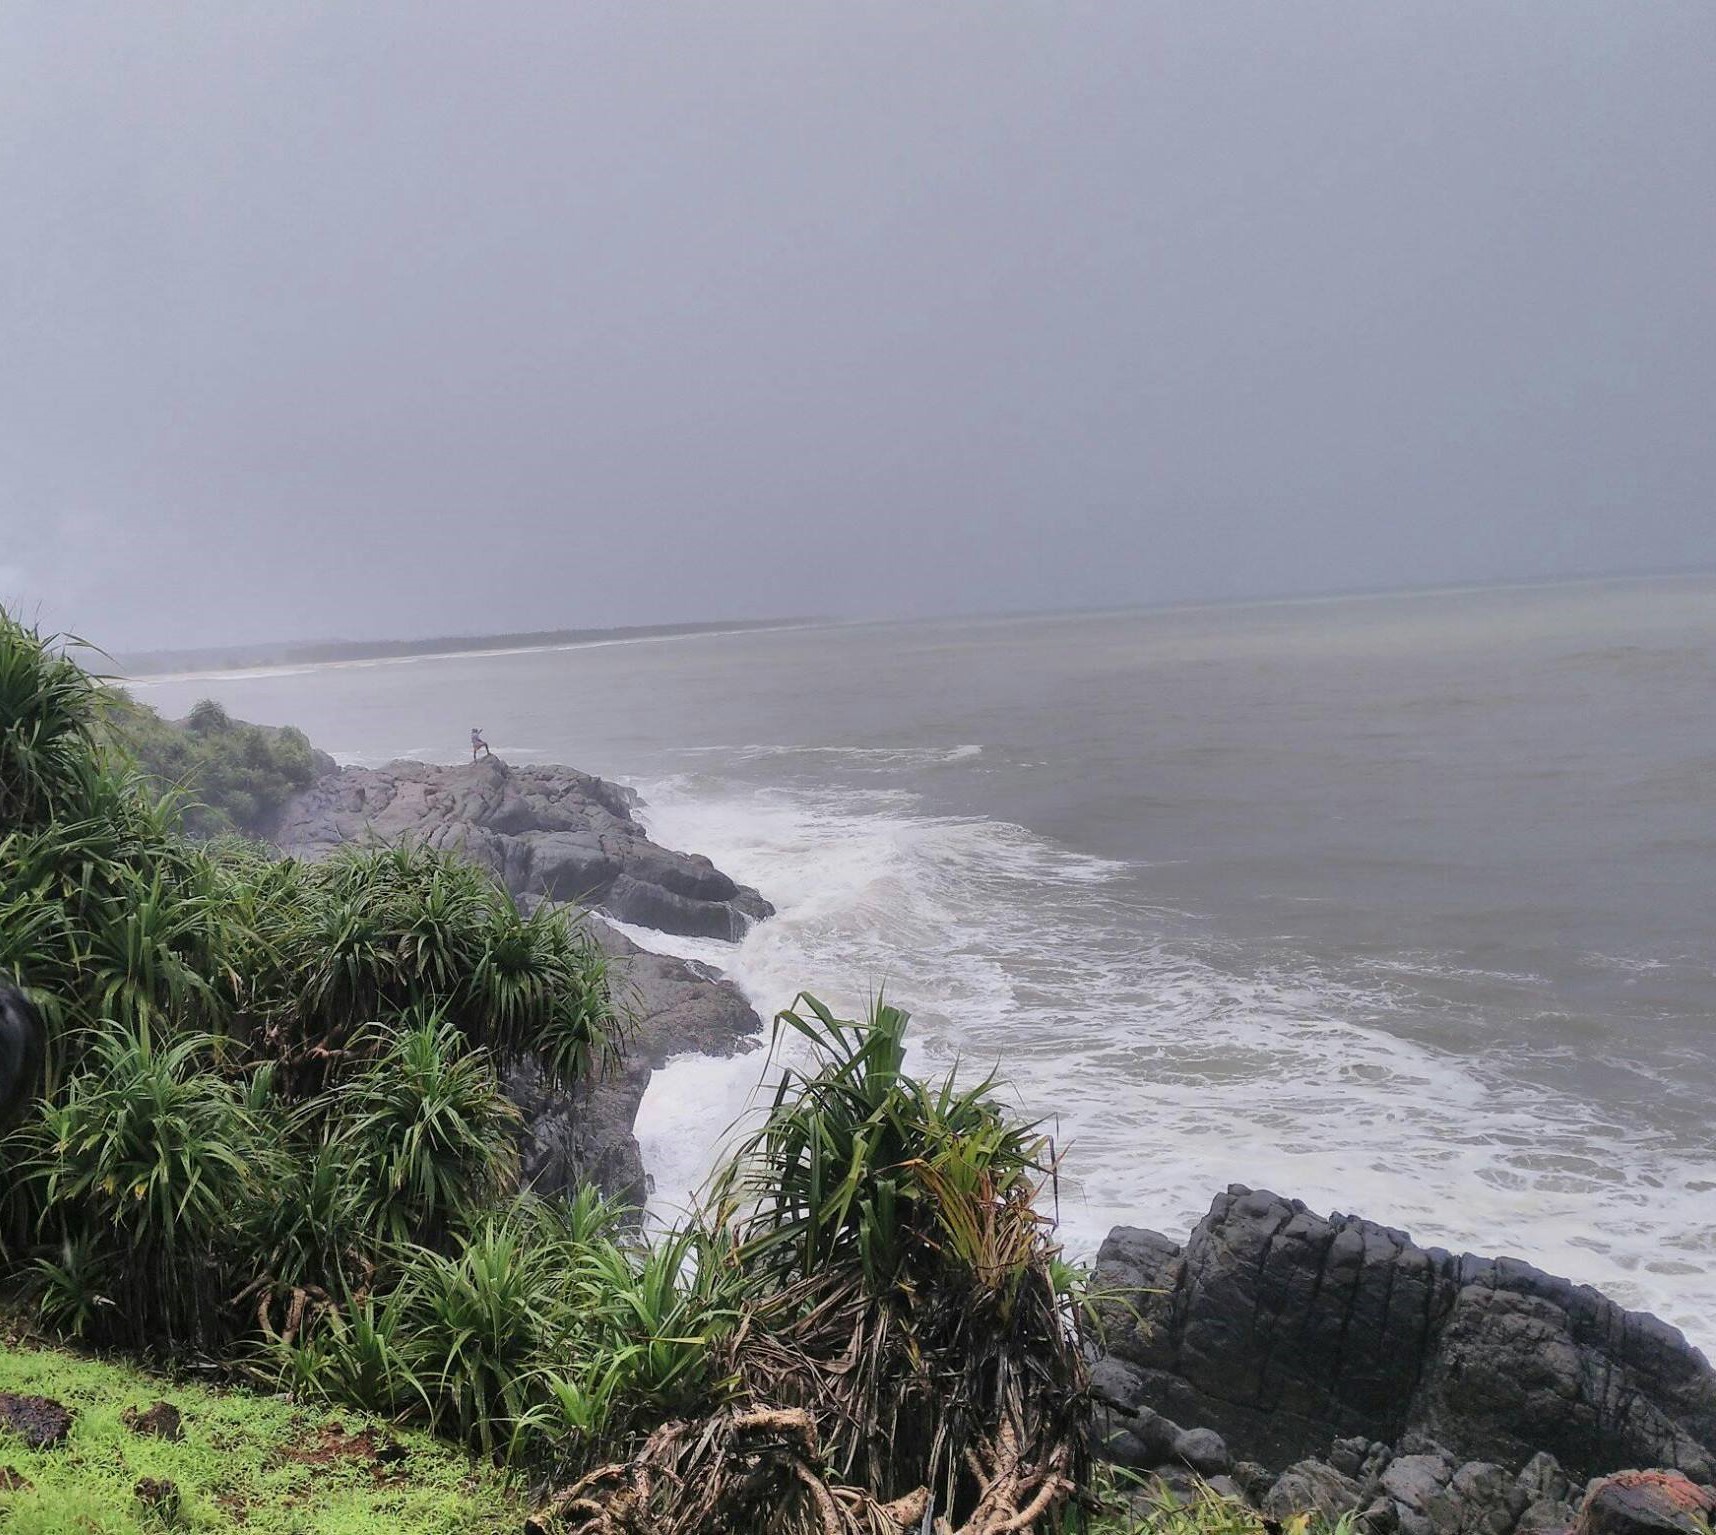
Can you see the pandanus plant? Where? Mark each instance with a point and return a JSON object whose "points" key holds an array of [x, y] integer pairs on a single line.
{"points": [[912, 1307]]}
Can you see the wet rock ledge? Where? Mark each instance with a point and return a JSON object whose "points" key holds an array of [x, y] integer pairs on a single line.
{"points": [[546, 832]]}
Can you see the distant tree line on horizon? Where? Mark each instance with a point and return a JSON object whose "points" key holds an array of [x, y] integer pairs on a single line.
{"points": [[142, 663]]}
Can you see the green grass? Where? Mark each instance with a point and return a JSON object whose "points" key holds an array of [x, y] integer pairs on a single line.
{"points": [[235, 1467]]}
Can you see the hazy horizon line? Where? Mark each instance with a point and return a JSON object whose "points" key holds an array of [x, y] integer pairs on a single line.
{"points": [[203, 657]]}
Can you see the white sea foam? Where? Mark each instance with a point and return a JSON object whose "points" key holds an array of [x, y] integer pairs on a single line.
{"points": [[1169, 1066]]}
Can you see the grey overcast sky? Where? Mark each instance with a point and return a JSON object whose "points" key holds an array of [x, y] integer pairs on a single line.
{"points": [[364, 319]]}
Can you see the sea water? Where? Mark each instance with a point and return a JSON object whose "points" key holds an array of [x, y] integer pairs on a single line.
{"points": [[1397, 905]]}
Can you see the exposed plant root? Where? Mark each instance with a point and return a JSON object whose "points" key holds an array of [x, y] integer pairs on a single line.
{"points": [[757, 1471]]}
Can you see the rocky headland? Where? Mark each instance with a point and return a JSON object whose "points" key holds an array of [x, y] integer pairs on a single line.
{"points": [[555, 834], [1288, 1359]]}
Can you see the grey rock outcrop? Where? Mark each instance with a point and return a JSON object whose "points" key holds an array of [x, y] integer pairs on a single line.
{"points": [[1312, 1486], [544, 831], [555, 834], [1284, 1331]]}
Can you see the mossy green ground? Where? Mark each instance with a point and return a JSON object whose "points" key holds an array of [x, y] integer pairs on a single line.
{"points": [[247, 1463]]}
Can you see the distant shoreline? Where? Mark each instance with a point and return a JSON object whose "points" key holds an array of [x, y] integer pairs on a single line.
{"points": [[168, 663], [150, 665]]}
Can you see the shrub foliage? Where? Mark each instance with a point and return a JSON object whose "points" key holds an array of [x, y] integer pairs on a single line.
{"points": [[233, 776]]}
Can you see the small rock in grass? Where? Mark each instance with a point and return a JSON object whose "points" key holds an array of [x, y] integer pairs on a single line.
{"points": [[39, 1421], [14, 1481], [1254, 1478], [1181, 1485], [162, 1420], [1121, 1447], [1378, 1518]]}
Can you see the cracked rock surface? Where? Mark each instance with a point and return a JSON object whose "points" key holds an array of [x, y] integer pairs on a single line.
{"points": [[1284, 1331]]}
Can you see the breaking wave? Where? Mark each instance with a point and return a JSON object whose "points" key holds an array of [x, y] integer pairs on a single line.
{"points": [[1166, 1062]]}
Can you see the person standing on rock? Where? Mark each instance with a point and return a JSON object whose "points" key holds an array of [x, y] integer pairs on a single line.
{"points": [[478, 744]]}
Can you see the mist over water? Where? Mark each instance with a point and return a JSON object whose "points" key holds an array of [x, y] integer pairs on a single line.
{"points": [[1397, 905]]}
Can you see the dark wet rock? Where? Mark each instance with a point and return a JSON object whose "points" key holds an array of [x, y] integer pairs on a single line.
{"points": [[1204, 1450], [577, 1136], [1254, 1480], [1175, 1482], [1646, 1503], [1117, 1384], [1119, 1446], [40, 1421], [1376, 1461], [1413, 1484], [549, 832], [1141, 1440], [1525, 1362], [1158, 1435], [1543, 1480], [1379, 1517], [1312, 1486], [672, 1007], [162, 1421], [1480, 1499], [1284, 1331], [1348, 1455], [1547, 1516]]}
